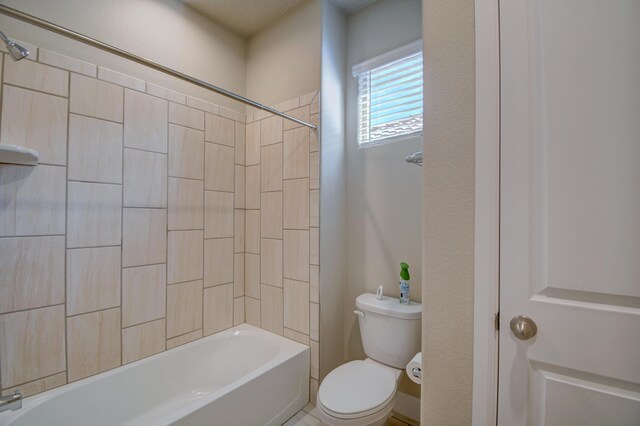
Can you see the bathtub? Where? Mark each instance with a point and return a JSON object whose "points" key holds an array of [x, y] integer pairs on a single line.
{"points": [[242, 376]]}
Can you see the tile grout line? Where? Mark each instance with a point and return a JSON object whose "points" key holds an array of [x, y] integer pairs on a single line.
{"points": [[121, 229], [66, 234]]}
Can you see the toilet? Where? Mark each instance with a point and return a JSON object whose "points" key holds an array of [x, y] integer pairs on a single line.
{"points": [[363, 393]]}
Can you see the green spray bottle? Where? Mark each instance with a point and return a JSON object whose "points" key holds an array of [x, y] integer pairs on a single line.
{"points": [[404, 284]]}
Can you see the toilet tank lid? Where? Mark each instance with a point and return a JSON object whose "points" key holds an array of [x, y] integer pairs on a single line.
{"points": [[389, 306]]}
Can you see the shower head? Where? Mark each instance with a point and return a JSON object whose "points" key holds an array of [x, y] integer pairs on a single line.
{"points": [[16, 51]]}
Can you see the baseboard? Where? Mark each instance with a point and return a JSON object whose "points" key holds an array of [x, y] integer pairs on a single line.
{"points": [[407, 406]]}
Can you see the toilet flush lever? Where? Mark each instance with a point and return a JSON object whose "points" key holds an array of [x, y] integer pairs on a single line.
{"points": [[360, 314], [379, 292]]}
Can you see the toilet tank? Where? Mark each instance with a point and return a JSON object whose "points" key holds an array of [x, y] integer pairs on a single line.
{"points": [[390, 331]]}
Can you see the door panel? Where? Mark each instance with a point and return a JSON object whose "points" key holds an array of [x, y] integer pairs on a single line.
{"points": [[570, 211]]}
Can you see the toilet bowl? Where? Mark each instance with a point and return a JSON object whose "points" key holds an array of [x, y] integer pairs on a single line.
{"points": [[363, 393]]}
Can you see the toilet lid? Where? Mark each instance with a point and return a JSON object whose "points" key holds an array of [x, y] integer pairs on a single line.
{"points": [[356, 387]]}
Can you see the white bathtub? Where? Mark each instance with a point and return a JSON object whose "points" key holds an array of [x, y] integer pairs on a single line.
{"points": [[242, 376]]}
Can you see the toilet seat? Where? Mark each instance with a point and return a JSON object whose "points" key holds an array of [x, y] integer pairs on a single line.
{"points": [[356, 390]]}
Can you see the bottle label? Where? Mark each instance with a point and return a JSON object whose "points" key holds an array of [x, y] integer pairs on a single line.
{"points": [[404, 292]]}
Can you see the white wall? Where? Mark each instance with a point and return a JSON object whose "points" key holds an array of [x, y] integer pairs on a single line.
{"points": [[333, 250], [165, 31], [384, 194], [448, 223], [283, 61]]}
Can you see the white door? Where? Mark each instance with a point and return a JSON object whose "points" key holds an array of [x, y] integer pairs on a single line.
{"points": [[570, 212]]}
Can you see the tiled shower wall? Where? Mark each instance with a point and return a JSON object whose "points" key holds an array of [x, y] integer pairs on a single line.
{"points": [[282, 225], [128, 238]]}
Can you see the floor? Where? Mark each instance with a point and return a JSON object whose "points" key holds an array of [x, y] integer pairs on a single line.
{"points": [[308, 417]]}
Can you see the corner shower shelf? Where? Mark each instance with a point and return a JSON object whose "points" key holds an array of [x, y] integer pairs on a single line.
{"points": [[14, 154]]}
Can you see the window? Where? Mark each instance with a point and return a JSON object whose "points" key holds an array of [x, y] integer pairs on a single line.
{"points": [[390, 95]]}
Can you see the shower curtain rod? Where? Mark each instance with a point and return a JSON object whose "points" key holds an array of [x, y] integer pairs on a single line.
{"points": [[14, 13]]}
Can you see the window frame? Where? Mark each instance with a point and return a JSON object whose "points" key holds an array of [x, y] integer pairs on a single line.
{"points": [[384, 59]]}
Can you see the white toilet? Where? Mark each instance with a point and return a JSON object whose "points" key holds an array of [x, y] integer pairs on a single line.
{"points": [[363, 393]]}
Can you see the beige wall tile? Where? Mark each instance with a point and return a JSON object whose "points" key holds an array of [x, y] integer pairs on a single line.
{"points": [[219, 167], [202, 104], [219, 130], [315, 359], [218, 261], [296, 153], [296, 204], [252, 275], [34, 342], [314, 208], [252, 149], [241, 143], [314, 284], [32, 200], [271, 130], [186, 204], [61, 61], [95, 150], [144, 236], [186, 116], [313, 389], [271, 262], [184, 339], [33, 75], [238, 311], [271, 215], [296, 306], [301, 113], [143, 294], [271, 168], [307, 98], [314, 321], [232, 114], [218, 308], [93, 343], [184, 308], [313, 135], [32, 272], [186, 152], [314, 248], [37, 121], [145, 179], [252, 311], [38, 386], [143, 340], [94, 215], [252, 240], [93, 279], [170, 95], [238, 233], [288, 105], [238, 274], [145, 122], [252, 195], [314, 106], [185, 257], [297, 336], [239, 184], [96, 98], [296, 255], [271, 309], [121, 79], [218, 214], [314, 170]]}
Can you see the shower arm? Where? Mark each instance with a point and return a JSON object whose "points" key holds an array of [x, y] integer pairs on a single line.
{"points": [[14, 13]]}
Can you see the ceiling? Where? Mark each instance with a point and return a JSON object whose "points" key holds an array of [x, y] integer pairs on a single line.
{"points": [[248, 17]]}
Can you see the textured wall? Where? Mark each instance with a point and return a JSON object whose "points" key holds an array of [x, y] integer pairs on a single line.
{"points": [[283, 61], [165, 31], [120, 243], [449, 151]]}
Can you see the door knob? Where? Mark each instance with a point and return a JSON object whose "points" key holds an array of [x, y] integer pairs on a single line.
{"points": [[523, 327]]}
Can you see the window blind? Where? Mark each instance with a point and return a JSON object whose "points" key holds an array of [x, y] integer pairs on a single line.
{"points": [[390, 95]]}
